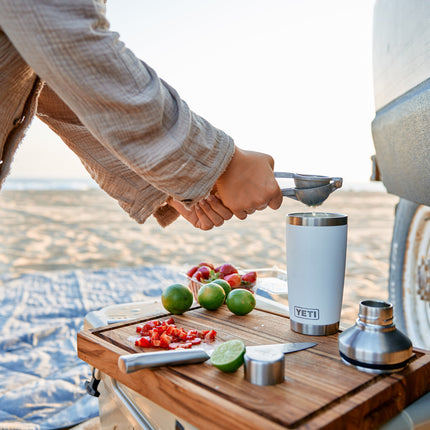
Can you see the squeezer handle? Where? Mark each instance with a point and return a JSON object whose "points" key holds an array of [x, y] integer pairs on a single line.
{"points": [[283, 175], [286, 192], [289, 192]]}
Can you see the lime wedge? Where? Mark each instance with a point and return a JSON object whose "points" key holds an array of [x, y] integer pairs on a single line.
{"points": [[228, 356]]}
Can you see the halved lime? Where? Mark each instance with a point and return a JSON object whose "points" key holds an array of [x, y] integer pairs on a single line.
{"points": [[228, 356]]}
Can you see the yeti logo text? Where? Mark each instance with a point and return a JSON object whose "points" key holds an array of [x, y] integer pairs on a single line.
{"points": [[309, 314]]}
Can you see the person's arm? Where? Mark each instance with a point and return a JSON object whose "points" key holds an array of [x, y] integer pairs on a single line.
{"points": [[137, 117], [116, 179], [140, 119]]}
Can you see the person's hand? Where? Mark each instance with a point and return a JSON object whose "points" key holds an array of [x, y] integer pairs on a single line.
{"points": [[208, 213], [248, 184], [213, 209]]}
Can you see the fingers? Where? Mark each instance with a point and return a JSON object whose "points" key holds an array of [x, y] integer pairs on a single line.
{"points": [[271, 161], [273, 199], [213, 205], [248, 184], [276, 201], [241, 215], [206, 214], [203, 221], [194, 215], [273, 196], [214, 210]]}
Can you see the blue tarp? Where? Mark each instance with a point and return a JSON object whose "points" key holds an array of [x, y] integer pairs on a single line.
{"points": [[41, 378]]}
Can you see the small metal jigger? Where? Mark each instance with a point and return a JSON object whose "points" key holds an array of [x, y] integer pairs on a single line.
{"points": [[373, 344], [264, 367]]}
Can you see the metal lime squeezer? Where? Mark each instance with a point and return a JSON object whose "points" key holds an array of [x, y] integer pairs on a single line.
{"points": [[312, 190]]}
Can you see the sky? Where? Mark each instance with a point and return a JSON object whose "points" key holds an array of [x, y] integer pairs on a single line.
{"points": [[292, 78]]}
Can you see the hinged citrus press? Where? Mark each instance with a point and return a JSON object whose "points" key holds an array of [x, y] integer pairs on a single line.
{"points": [[312, 190]]}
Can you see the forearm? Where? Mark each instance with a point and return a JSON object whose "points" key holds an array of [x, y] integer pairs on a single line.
{"points": [[121, 101]]}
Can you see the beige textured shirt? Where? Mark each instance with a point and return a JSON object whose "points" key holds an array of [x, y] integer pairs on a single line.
{"points": [[135, 136]]}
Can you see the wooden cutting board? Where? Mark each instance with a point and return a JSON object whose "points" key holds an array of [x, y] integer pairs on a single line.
{"points": [[319, 391]]}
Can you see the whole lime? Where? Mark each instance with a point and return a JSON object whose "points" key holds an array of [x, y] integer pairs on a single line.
{"points": [[224, 284], [211, 296], [228, 356], [177, 299], [240, 301]]}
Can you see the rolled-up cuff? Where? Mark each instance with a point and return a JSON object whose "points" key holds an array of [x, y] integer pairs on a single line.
{"points": [[165, 215]]}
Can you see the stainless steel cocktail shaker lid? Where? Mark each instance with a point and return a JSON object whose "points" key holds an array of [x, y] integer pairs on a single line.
{"points": [[264, 367], [374, 344]]}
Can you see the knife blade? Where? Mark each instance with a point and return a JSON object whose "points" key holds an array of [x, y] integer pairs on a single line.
{"points": [[285, 348], [149, 360]]}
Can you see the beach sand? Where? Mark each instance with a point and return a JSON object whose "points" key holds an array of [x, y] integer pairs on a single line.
{"points": [[62, 230]]}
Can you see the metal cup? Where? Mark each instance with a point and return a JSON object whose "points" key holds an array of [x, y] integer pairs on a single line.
{"points": [[264, 367], [316, 256]]}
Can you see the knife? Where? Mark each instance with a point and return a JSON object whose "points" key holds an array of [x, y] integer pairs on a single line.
{"points": [[147, 360]]}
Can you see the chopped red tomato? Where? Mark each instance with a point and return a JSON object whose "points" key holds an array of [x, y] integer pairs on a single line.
{"points": [[165, 334], [210, 336], [171, 330], [149, 325], [144, 341], [165, 340], [182, 334], [186, 345], [174, 345], [192, 334]]}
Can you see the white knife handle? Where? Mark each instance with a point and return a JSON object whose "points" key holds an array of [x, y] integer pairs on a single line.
{"points": [[147, 360]]}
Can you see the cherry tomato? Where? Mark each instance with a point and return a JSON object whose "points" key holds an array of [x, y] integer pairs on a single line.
{"points": [[210, 335]]}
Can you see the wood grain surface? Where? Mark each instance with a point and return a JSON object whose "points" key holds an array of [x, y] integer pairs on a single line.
{"points": [[319, 391]]}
